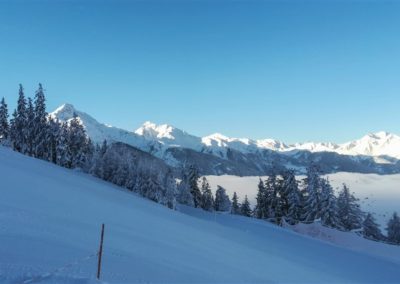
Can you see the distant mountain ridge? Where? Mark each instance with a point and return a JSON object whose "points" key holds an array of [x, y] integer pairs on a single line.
{"points": [[375, 153]]}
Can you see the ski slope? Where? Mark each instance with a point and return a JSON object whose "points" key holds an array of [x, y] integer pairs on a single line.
{"points": [[50, 221]]}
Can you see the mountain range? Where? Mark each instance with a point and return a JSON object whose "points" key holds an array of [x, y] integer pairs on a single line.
{"points": [[217, 154]]}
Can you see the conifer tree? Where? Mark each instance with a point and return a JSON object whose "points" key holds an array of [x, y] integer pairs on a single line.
{"points": [[260, 210], [193, 177], [349, 212], [370, 229], [222, 201], [293, 194], [393, 229], [184, 193], [245, 209], [19, 123], [235, 204], [207, 200], [40, 125], [77, 143], [97, 163], [63, 153], [53, 136], [152, 190], [169, 198], [4, 126], [329, 209], [312, 206], [29, 129]]}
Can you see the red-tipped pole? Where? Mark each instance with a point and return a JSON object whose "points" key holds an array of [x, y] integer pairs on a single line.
{"points": [[100, 251]]}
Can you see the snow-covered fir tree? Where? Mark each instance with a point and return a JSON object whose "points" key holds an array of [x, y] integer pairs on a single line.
{"points": [[29, 129], [40, 131], [349, 212], [193, 178], [393, 229], [52, 138], [245, 208], [290, 186], [184, 193], [312, 206], [260, 210], [77, 144], [4, 126], [329, 209], [370, 229], [97, 160], [19, 123], [273, 208], [153, 191], [235, 204], [62, 149], [222, 201], [207, 199], [169, 194]]}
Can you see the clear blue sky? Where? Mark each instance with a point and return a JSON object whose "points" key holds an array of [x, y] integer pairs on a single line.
{"points": [[290, 70]]}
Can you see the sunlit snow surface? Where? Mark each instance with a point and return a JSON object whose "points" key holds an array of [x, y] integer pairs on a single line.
{"points": [[50, 223]]}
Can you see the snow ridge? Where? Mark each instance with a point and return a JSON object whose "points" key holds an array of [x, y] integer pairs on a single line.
{"points": [[160, 137]]}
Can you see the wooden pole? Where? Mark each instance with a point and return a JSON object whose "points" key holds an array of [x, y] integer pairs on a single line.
{"points": [[100, 252]]}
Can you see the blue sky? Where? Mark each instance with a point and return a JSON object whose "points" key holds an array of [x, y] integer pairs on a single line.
{"points": [[290, 70]]}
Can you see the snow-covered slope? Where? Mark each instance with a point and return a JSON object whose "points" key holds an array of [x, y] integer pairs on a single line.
{"points": [[50, 219]]}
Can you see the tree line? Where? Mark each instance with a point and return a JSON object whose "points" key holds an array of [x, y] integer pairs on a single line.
{"points": [[280, 198], [31, 131]]}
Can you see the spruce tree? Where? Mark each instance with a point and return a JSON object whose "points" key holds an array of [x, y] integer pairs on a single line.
{"points": [[184, 193], [329, 209], [193, 177], [222, 201], [393, 229], [19, 123], [63, 153], [349, 212], [370, 229], [4, 126], [293, 194], [260, 210], [312, 206], [235, 204], [40, 126], [53, 136], [29, 129], [169, 198], [245, 209], [207, 200], [97, 163], [272, 199], [77, 143]]}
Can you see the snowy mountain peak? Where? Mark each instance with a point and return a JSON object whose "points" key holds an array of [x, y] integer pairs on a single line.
{"points": [[64, 112], [380, 135], [168, 135], [164, 135], [152, 130]]}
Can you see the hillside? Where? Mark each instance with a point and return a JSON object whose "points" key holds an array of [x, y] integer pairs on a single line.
{"points": [[51, 216]]}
